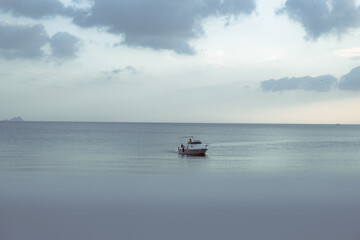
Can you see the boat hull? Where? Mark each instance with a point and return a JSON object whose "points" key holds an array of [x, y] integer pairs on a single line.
{"points": [[194, 152]]}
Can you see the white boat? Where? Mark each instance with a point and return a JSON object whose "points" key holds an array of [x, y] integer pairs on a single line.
{"points": [[190, 146]]}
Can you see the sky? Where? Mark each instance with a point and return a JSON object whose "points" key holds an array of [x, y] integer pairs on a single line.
{"points": [[213, 61]]}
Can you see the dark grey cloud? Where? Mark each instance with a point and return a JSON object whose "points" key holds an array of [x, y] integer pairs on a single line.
{"points": [[64, 45], [34, 8], [319, 84], [159, 24], [351, 81], [28, 42], [22, 41], [320, 17]]}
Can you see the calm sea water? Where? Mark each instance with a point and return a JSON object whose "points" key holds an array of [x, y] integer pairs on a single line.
{"points": [[126, 181], [118, 148]]}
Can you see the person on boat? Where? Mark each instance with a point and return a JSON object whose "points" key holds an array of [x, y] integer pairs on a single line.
{"points": [[189, 142]]}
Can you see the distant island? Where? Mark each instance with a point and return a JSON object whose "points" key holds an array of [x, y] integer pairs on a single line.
{"points": [[15, 119]]}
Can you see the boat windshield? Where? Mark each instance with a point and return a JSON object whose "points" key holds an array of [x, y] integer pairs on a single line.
{"points": [[196, 142]]}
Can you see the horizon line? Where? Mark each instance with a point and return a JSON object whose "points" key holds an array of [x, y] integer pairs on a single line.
{"points": [[159, 122]]}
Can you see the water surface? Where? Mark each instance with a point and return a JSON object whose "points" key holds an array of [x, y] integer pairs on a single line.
{"points": [[118, 148], [126, 181]]}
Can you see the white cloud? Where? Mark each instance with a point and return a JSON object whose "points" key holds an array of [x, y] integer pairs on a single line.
{"points": [[352, 53], [357, 3]]}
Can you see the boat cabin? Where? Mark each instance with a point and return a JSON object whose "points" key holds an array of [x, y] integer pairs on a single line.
{"points": [[196, 142]]}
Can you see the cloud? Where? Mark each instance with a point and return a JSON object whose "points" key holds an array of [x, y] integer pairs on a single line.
{"points": [[22, 41], [351, 81], [64, 45], [27, 42], [319, 84], [116, 72], [34, 8], [156, 24], [159, 24], [323, 17], [348, 82], [351, 53], [128, 69]]}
